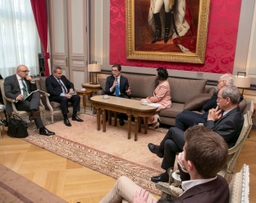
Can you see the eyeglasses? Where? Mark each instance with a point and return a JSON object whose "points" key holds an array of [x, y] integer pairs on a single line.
{"points": [[25, 71], [218, 98], [114, 70]]}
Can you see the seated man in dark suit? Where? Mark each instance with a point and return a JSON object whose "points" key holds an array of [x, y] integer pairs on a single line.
{"points": [[201, 161], [18, 87], [226, 119], [189, 118], [61, 90], [118, 85]]}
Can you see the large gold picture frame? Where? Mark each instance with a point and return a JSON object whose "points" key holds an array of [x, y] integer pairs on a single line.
{"points": [[134, 19]]}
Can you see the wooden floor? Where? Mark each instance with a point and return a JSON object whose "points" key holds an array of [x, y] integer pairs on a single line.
{"points": [[75, 183]]}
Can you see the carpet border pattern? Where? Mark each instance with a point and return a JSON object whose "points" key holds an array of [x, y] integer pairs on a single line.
{"points": [[95, 159]]}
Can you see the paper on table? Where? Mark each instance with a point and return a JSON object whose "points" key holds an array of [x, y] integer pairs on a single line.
{"points": [[156, 105]]}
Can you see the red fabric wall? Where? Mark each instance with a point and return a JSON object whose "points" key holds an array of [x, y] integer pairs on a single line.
{"points": [[221, 40]]}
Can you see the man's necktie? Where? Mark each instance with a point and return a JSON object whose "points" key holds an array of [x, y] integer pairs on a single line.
{"points": [[24, 89], [64, 89], [117, 88]]}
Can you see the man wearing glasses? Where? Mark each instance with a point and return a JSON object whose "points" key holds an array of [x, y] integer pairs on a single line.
{"points": [[18, 87], [189, 118], [118, 85], [226, 119]]}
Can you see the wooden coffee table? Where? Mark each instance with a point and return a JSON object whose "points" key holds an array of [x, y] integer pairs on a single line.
{"points": [[121, 105]]}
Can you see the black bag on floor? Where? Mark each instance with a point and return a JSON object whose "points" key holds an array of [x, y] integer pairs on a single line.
{"points": [[17, 127]]}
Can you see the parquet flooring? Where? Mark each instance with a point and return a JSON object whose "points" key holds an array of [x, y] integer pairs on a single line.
{"points": [[76, 183]]}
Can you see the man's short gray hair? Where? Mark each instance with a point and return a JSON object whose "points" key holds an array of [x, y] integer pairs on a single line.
{"points": [[228, 78], [55, 68], [232, 92]]}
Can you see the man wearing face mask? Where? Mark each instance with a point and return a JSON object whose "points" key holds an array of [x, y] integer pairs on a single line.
{"points": [[118, 85]]}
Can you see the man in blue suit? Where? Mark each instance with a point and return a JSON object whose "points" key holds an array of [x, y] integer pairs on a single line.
{"points": [[118, 85]]}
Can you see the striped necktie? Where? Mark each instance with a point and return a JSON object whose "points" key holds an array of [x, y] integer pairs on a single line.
{"points": [[24, 89], [64, 89]]}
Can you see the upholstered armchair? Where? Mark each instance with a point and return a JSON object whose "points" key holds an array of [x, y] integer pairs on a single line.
{"points": [[53, 107], [12, 101], [239, 186], [234, 151]]}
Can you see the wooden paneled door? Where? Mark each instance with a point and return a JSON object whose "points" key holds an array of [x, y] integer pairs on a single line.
{"points": [[69, 39]]}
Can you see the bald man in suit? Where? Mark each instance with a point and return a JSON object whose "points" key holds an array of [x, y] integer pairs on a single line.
{"points": [[17, 87]]}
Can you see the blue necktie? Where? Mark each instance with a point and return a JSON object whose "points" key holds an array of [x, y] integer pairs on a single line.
{"points": [[117, 88]]}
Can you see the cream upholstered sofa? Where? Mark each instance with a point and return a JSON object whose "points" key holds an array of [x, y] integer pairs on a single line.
{"points": [[188, 94]]}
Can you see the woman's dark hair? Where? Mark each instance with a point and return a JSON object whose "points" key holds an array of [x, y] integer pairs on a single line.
{"points": [[162, 73]]}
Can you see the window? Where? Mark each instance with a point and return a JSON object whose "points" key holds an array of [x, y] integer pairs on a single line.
{"points": [[19, 41]]}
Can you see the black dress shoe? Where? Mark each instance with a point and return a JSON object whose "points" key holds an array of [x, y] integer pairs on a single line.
{"points": [[75, 118], [153, 149], [66, 122], [44, 131], [121, 122], [164, 177], [33, 115]]}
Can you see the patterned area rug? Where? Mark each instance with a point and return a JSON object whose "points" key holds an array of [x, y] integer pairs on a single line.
{"points": [[110, 153]]}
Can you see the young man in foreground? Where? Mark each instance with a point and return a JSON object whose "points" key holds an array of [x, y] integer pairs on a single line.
{"points": [[205, 154]]}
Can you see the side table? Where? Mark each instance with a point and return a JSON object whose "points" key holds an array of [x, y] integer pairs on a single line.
{"points": [[90, 86], [84, 94], [93, 87]]}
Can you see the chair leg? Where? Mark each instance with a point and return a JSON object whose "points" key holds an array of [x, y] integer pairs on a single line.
{"points": [[52, 119], [44, 120]]}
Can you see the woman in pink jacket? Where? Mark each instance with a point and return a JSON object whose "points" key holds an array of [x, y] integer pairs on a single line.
{"points": [[161, 96]]}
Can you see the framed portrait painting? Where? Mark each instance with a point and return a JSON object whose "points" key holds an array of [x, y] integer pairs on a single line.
{"points": [[167, 30]]}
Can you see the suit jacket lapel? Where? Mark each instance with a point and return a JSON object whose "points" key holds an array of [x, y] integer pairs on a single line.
{"points": [[17, 82], [230, 112]]}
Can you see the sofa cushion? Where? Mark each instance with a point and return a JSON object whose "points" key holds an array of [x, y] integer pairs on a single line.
{"points": [[172, 112], [141, 86], [196, 102], [183, 89]]}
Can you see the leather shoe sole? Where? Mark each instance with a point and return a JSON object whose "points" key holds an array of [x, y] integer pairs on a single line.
{"points": [[164, 177], [153, 149], [77, 119], [67, 123]]}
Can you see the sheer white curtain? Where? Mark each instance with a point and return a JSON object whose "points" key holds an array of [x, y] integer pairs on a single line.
{"points": [[19, 41]]}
